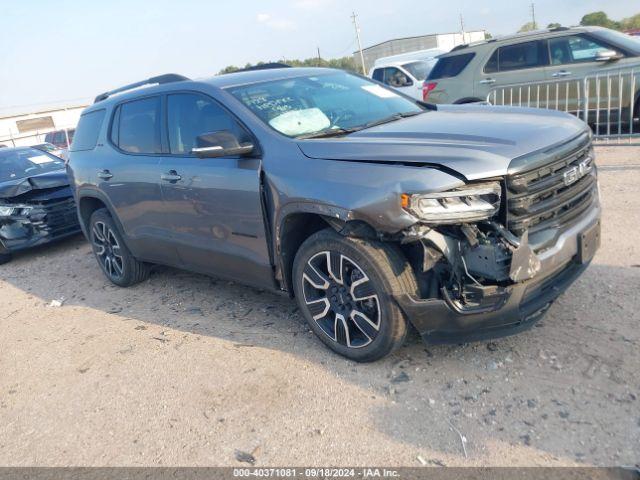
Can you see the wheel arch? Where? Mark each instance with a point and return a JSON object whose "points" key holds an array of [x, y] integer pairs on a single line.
{"points": [[88, 202], [293, 230], [296, 226]]}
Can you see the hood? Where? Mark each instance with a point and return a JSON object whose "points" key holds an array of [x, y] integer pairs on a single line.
{"points": [[477, 141], [20, 186]]}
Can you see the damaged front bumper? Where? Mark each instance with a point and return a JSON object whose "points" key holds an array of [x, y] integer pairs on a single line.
{"points": [[509, 309], [38, 224]]}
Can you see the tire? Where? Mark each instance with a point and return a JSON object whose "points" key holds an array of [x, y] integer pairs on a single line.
{"points": [[112, 254], [5, 258], [350, 306]]}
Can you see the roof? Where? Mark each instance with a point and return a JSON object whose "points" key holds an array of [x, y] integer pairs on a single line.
{"points": [[220, 81], [522, 35], [256, 76], [402, 58], [43, 108], [418, 36]]}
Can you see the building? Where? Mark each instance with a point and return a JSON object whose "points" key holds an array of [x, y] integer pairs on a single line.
{"points": [[28, 126], [442, 41]]}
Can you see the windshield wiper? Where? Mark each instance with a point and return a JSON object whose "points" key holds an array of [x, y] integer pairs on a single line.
{"points": [[389, 119], [334, 132], [329, 132]]}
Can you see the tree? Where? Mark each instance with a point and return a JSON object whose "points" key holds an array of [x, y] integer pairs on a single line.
{"points": [[554, 25], [599, 19], [630, 23], [344, 63], [229, 69], [527, 27]]}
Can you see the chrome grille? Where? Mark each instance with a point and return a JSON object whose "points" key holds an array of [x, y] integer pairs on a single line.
{"points": [[553, 194]]}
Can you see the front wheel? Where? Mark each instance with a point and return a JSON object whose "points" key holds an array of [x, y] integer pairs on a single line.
{"points": [[5, 258], [113, 256], [344, 289]]}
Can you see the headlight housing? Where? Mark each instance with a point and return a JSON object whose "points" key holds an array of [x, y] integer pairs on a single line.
{"points": [[471, 203], [9, 210]]}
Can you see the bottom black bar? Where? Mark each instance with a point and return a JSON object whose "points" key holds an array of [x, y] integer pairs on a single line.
{"points": [[211, 473]]}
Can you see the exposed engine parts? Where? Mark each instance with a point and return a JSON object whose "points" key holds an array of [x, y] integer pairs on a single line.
{"points": [[475, 263]]}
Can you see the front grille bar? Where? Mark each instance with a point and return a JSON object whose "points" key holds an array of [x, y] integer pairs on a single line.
{"points": [[552, 194]]}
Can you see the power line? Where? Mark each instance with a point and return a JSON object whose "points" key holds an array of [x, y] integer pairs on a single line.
{"points": [[349, 49]]}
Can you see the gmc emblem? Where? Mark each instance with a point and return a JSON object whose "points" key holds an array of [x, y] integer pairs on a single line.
{"points": [[576, 173]]}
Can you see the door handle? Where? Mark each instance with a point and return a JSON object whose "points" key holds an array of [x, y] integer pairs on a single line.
{"points": [[105, 175], [488, 81], [171, 176], [561, 73]]}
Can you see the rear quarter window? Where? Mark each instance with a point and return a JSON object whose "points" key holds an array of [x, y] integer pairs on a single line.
{"points": [[88, 129], [451, 66]]}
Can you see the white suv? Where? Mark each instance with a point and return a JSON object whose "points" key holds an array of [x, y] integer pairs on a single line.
{"points": [[406, 72]]}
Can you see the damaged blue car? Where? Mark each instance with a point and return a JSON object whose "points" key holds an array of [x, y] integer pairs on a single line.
{"points": [[36, 203]]}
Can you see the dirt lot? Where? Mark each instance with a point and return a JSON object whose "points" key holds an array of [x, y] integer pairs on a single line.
{"points": [[188, 370]]}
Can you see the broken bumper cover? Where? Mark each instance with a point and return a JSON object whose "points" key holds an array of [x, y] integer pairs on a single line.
{"points": [[518, 306], [43, 224]]}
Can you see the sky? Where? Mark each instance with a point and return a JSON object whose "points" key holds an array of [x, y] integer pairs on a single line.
{"points": [[69, 50]]}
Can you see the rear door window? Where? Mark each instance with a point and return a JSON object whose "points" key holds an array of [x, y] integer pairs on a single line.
{"points": [[519, 57], [451, 66], [492, 65], [88, 130], [138, 127]]}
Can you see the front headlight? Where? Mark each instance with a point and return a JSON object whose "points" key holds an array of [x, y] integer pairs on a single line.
{"points": [[6, 210], [9, 210], [470, 203]]}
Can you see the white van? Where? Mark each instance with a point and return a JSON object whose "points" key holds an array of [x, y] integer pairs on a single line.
{"points": [[406, 72]]}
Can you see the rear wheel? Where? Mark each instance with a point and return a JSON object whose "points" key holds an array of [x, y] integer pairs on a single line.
{"points": [[113, 256], [344, 288]]}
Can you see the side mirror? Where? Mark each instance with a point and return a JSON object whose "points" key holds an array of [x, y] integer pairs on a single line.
{"points": [[220, 144], [607, 56]]}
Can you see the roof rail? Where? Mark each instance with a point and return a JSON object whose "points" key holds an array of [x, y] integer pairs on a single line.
{"points": [[459, 47], [559, 29], [159, 80]]}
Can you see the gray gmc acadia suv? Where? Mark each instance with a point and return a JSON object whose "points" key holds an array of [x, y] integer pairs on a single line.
{"points": [[375, 212]]}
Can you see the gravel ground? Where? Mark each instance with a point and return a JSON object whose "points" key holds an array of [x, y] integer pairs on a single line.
{"points": [[188, 370]]}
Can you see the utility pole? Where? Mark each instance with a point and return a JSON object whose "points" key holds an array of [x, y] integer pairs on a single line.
{"points": [[319, 57], [462, 28], [354, 17], [533, 16]]}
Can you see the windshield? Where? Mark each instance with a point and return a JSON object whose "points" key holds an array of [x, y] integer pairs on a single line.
{"points": [[333, 103], [47, 147], [419, 70], [22, 163], [617, 38]]}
